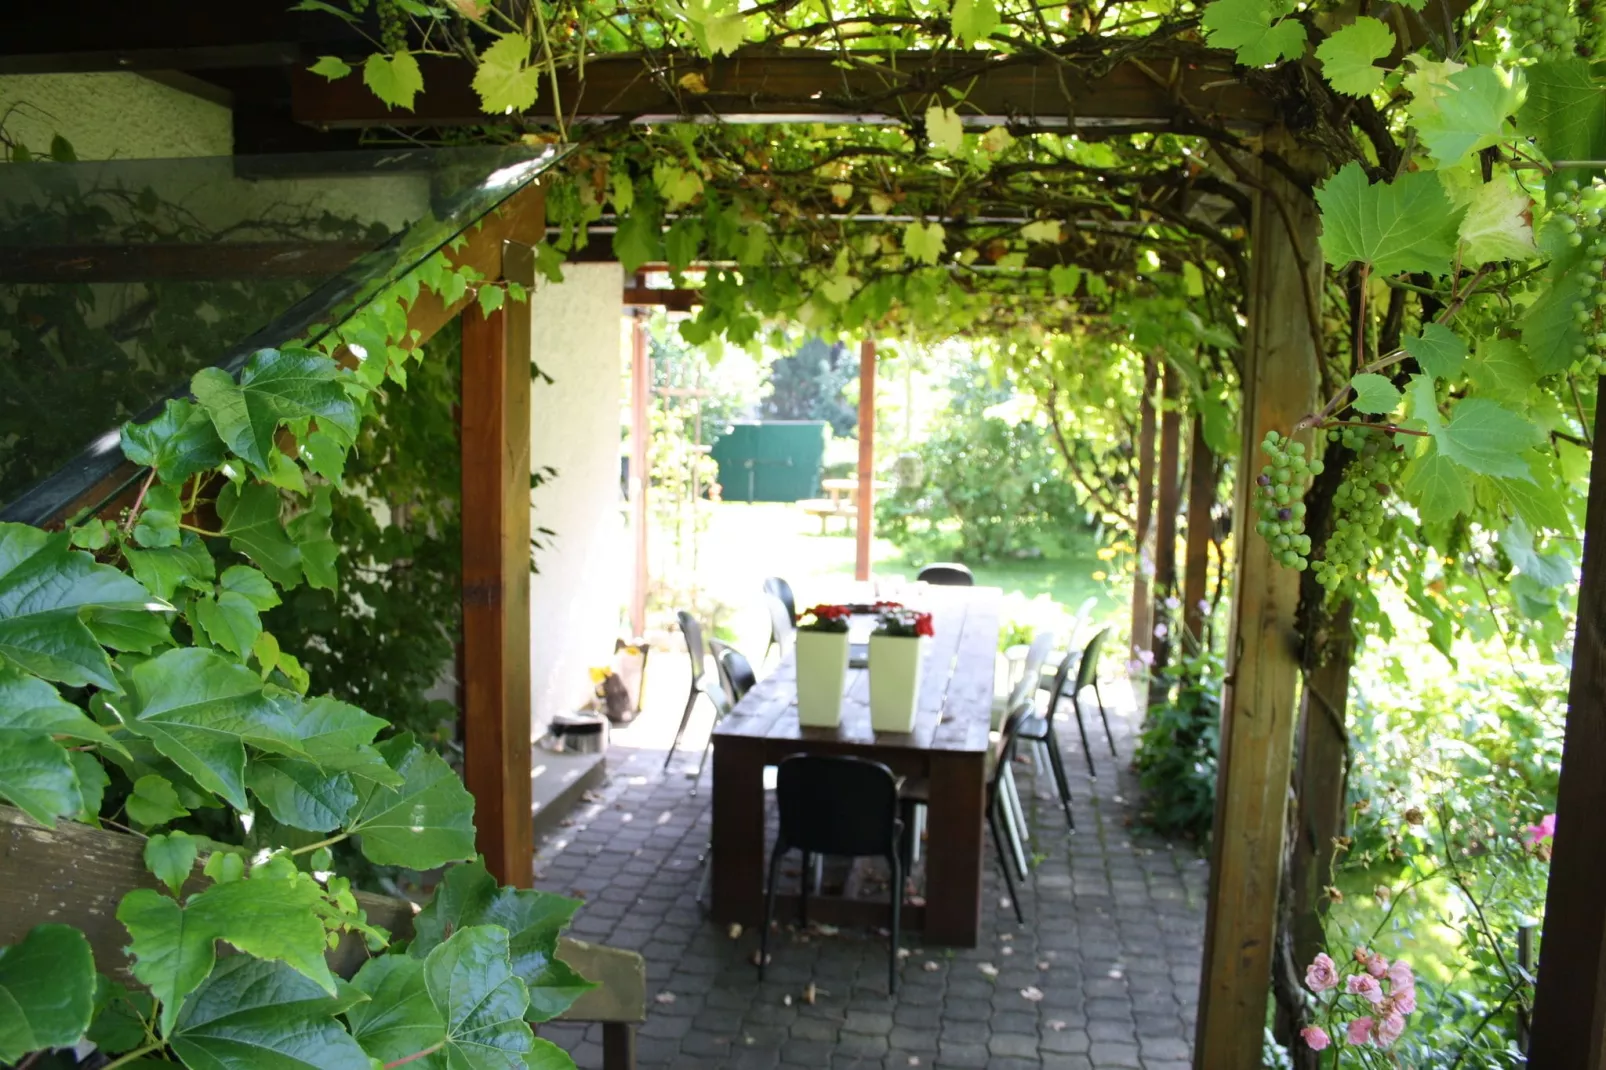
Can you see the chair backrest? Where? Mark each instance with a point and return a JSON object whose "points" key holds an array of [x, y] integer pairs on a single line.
{"points": [[735, 671], [1088, 671], [1007, 740], [693, 633], [1036, 656], [947, 574], [1061, 685], [783, 622], [837, 805], [783, 590]]}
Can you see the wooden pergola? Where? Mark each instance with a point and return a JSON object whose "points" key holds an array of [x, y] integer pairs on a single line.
{"points": [[1263, 836]]}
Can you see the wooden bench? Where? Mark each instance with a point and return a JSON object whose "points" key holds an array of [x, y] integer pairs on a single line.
{"points": [[826, 508], [76, 875]]}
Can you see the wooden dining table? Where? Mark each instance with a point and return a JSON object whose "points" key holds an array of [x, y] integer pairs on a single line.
{"points": [[948, 751]]}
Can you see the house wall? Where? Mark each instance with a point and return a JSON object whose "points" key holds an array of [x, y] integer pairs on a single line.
{"points": [[577, 597], [115, 114]]}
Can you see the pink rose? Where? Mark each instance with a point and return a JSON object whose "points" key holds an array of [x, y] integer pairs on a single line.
{"points": [[1321, 975], [1388, 1029], [1316, 1037], [1364, 984], [1404, 1000], [1377, 965], [1360, 1031], [1546, 829], [1401, 977]]}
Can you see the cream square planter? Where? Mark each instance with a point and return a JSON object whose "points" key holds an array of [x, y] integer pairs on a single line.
{"points": [[822, 670], [895, 662]]}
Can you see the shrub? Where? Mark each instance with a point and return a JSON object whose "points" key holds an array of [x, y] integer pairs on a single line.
{"points": [[1177, 750]]}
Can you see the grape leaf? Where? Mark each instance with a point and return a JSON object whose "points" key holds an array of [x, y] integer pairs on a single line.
{"points": [[174, 946], [37, 776], [330, 67], [300, 794], [1405, 225], [1247, 27], [251, 521], [128, 629], [92, 782], [974, 20], [338, 737], [250, 584], [396, 79], [1374, 394], [944, 129], [1565, 111], [1437, 487], [482, 1001], [159, 519], [637, 240], [311, 532], [426, 821], [44, 584], [1347, 56], [120, 1017], [1439, 350], [199, 709], [171, 857], [163, 572], [1548, 570], [1468, 112], [1064, 279], [398, 1019], [254, 1015], [468, 896], [47, 991], [229, 621], [923, 242], [1500, 368], [1549, 330], [28, 704], [153, 802], [178, 444], [274, 386], [504, 80], [1488, 439], [1498, 225], [1538, 499]]}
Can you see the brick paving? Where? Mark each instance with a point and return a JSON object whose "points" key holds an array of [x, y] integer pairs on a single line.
{"points": [[1112, 942]]}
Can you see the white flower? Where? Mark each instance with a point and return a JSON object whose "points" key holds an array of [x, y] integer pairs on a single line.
{"points": [[1160, 630]]}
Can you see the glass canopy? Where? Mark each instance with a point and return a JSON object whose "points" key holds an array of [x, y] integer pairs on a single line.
{"points": [[120, 279]]}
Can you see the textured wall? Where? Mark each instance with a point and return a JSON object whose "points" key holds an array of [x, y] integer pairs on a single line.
{"points": [[578, 596], [115, 114]]}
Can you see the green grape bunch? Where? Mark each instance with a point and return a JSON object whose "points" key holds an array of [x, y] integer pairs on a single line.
{"points": [[1540, 29], [1358, 504], [1578, 213], [1280, 499]]}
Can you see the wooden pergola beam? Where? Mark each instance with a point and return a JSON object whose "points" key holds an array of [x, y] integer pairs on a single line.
{"points": [[177, 261], [809, 85]]}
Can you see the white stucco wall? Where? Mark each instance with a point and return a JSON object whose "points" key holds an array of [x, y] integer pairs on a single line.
{"points": [[113, 115], [577, 597]]}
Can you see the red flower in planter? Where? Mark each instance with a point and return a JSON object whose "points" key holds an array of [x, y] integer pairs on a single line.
{"points": [[923, 625], [825, 618], [904, 623]]}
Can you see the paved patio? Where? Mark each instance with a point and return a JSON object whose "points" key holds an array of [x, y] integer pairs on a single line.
{"points": [[1103, 974]]}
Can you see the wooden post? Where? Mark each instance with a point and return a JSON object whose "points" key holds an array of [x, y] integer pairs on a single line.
{"points": [[1165, 522], [496, 576], [1142, 606], [1569, 1025], [1196, 554], [640, 395], [861, 549], [1259, 713]]}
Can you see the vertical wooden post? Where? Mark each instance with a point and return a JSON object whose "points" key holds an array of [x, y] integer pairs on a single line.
{"points": [[1259, 713], [861, 549], [1165, 521], [640, 393], [1142, 604], [1196, 554], [496, 576], [1569, 1025]]}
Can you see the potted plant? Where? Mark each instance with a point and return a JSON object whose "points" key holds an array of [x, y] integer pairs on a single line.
{"points": [[822, 665], [896, 647]]}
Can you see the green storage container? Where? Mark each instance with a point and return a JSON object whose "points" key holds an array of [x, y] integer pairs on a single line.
{"points": [[770, 460]]}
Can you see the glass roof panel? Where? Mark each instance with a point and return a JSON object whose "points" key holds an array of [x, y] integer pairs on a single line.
{"points": [[120, 279]]}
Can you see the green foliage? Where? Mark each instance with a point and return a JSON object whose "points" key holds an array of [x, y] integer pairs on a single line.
{"points": [[1176, 754], [47, 991], [1258, 30], [812, 384], [1347, 56]]}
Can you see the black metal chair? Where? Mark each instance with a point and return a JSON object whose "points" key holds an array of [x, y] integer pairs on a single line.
{"points": [[999, 821], [947, 574], [783, 590], [1087, 675], [736, 674], [836, 805], [782, 609], [693, 633]]}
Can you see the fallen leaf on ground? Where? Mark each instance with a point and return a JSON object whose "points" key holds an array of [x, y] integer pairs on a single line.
{"points": [[1033, 993], [664, 997], [1006, 951], [1004, 902], [735, 930], [810, 993], [1056, 1025], [988, 969], [1043, 965], [930, 967]]}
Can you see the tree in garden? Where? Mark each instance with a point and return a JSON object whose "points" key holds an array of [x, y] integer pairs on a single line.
{"points": [[809, 384]]}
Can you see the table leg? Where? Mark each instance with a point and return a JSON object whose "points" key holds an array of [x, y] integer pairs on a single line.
{"points": [[738, 832], [955, 848]]}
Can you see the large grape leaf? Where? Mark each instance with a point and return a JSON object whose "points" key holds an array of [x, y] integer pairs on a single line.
{"points": [[1439, 350], [336, 736], [398, 1019], [424, 822], [45, 586], [1488, 439], [1255, 29], [1565, 111], [37, 774], [47, 991], [163, 572], [174, 945], [1438, 487], [468, 895], [1409, 224], [230, 621], [251, 522], [28, 704], [1550, 331], [199, 709], [178, 444], [1467, 112], [256, 1015], [482, 1000], [300, 794], [506, 80], [1347, 56], [274, 386]]}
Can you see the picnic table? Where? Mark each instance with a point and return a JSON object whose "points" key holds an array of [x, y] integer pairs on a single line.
{"points": [[948, 751], [836, 505]]}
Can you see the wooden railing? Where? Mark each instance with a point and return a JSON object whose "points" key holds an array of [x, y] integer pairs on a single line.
{"points": [[76, 875]]}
